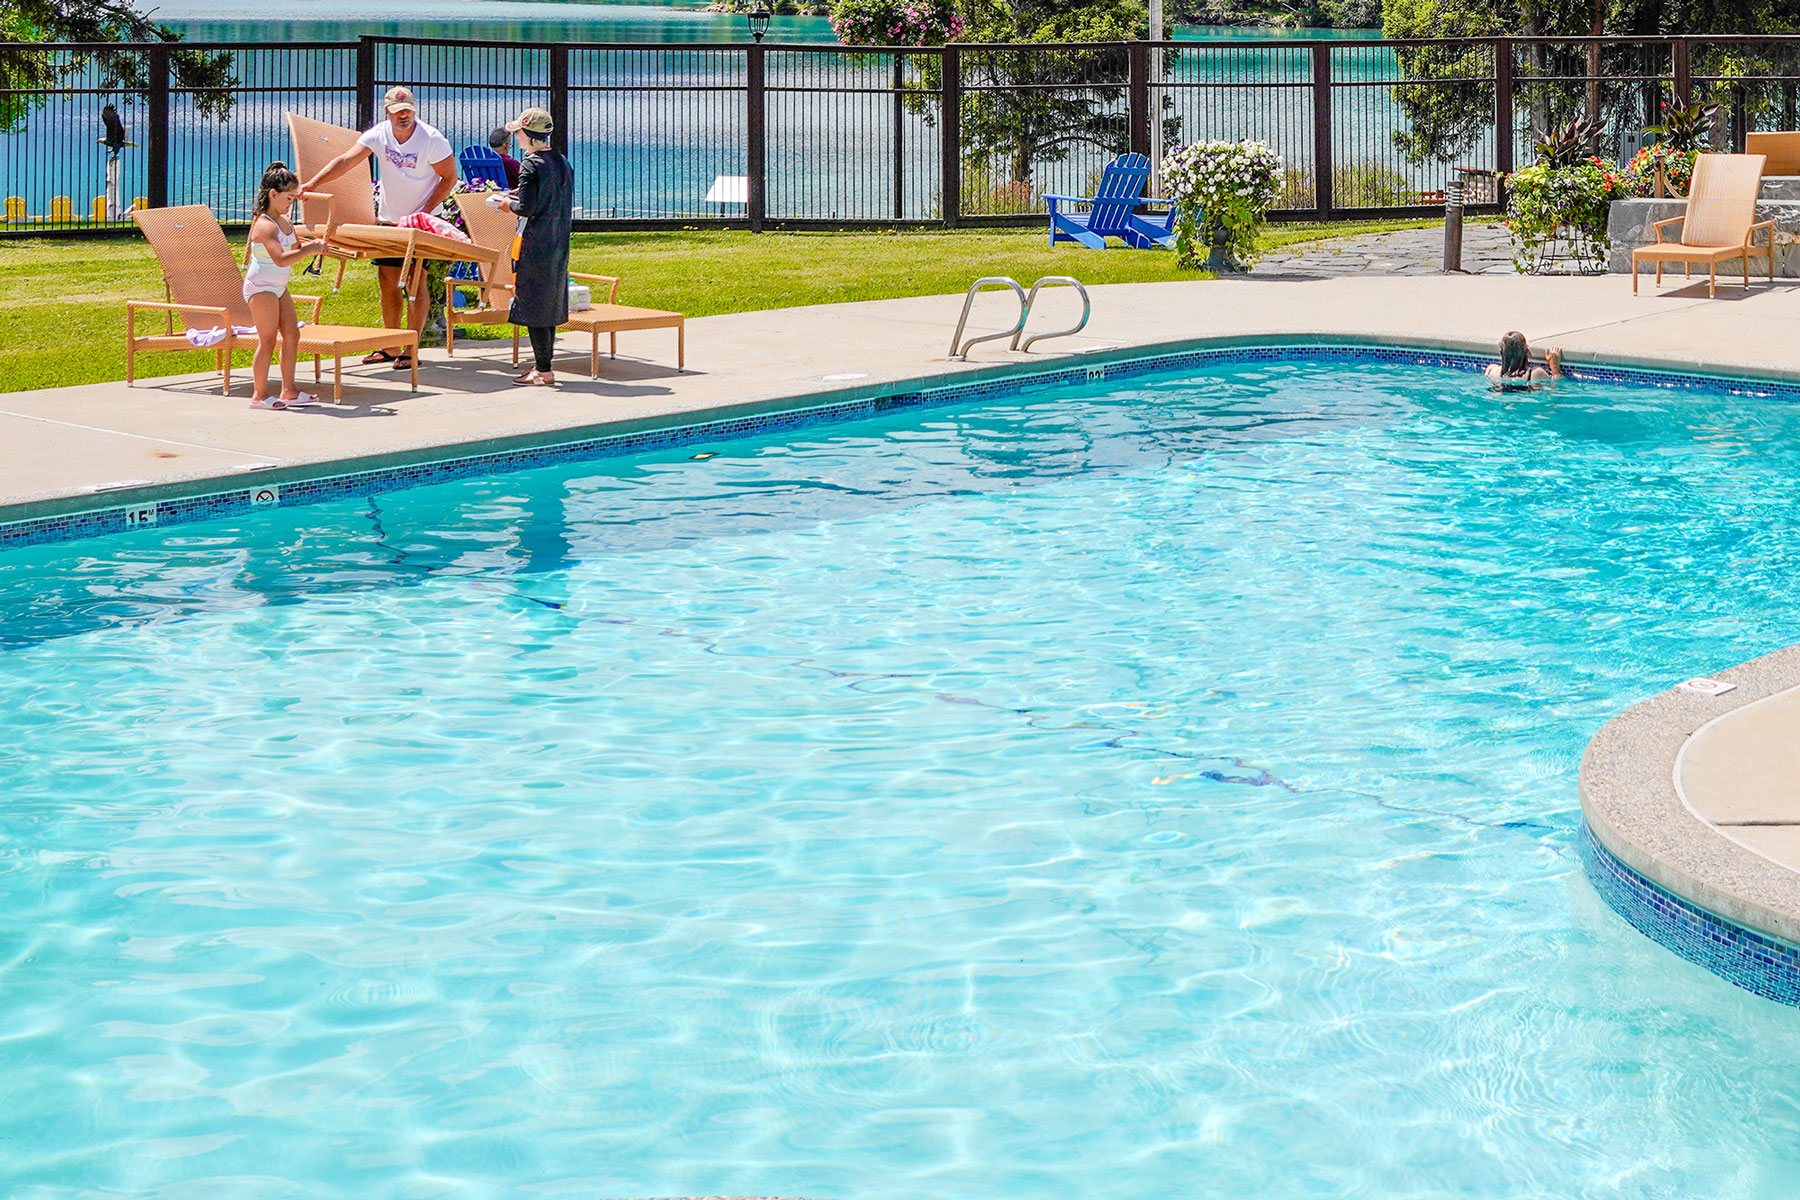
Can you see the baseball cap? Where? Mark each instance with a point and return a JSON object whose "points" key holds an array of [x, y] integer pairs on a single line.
{"points": [[398, 98], [532, 120]]}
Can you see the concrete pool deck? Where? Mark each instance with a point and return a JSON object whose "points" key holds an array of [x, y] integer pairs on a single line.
{"points": [[1709, 812]]}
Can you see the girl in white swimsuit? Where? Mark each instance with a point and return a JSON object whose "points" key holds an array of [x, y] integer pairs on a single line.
{"points": [[273, 250]]}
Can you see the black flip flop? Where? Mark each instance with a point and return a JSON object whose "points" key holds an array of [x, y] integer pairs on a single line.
{"points": [[378, 356], [402, 363]]}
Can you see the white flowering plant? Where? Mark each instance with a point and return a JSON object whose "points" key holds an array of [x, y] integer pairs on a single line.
{"points": [[1227, 187]]}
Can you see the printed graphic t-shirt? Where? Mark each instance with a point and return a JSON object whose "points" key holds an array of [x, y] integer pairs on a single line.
{"points": [[408, 169]]}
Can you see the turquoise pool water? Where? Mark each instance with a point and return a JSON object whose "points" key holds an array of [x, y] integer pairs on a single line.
{"points": [[1164, 790]]}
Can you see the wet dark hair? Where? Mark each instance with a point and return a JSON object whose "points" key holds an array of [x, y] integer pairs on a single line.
{"points": [[497, 140], [1515, 355], [276, 178]]}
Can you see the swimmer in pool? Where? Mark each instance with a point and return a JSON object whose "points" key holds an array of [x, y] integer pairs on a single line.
{"points": [[1515, 368]]}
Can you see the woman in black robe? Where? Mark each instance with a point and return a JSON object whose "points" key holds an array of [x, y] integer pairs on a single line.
{"points": [[543, 201]]}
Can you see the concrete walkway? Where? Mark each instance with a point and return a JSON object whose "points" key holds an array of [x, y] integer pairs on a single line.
{"points": [[60, 447]]}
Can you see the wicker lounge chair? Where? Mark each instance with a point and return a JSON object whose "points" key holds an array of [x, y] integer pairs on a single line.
{"points": [[1781, 148], [1719, 225], [494, 228], [204, 287], [613, 319], [491, 229]]}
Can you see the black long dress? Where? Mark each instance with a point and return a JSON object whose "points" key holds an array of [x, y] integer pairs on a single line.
{"points": [[541, 274]]}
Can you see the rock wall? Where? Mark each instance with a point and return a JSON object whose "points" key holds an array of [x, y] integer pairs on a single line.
{"points": [[1630, 223]]}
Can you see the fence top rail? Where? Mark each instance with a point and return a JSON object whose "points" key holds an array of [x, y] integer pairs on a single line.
{"points": [[1249, 43], [96, 47]]}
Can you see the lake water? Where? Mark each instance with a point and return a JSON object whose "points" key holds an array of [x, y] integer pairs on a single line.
{"points": [[572, 21]]}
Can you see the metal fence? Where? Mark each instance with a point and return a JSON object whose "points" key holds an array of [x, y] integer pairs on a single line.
{"points": [[837, 135]]}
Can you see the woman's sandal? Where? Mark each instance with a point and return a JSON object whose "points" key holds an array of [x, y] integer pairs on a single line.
{"points": [[403, 362], [378, 356], [535, 379], [271, 404]]}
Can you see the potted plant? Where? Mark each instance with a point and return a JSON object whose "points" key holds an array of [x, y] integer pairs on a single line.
{"points": [[1685, 131], [1557, 207], [1221, 192]]}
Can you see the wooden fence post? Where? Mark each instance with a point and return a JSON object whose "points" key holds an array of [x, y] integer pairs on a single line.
{"points": [[1684, 83], [365, 81], [756, 70], [1138, 106], [156, 153], [1322, 148], [950, 146], [1503, 106], [899, 137], [559, 98]]}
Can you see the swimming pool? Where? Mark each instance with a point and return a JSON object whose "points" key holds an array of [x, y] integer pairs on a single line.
{"points": [[1129, 789]]}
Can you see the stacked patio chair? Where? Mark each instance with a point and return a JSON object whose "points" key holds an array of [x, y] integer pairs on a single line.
{"points": [[204, 289]]}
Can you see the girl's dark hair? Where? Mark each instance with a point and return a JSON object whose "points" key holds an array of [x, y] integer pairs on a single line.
{"points": [[1515, 355], [277, 178]]}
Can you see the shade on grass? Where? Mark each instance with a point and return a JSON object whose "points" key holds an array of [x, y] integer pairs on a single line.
{"points": [[62, 303]]}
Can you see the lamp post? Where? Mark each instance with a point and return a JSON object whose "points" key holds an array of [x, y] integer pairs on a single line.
{"points": [[759, 21]]}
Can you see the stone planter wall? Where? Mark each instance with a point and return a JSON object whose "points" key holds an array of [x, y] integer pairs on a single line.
{"points": [[1630, 223]]}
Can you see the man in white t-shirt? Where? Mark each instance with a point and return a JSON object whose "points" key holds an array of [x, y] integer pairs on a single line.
{"points": [[417, 172]]}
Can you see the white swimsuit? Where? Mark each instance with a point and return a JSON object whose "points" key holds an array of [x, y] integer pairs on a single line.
{"points": [[261, 274]]}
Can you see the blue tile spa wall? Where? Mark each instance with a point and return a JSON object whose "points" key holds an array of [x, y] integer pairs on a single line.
{"points": [[1753, 961]]}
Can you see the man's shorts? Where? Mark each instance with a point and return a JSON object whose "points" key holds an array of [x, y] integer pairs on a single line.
{"points": [[388, 262]]}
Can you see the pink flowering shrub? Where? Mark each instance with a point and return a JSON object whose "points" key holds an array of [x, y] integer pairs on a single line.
{"points": [[895, 22]]}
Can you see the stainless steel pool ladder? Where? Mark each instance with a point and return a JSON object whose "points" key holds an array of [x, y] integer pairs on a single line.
{"points": [[959, 349]]}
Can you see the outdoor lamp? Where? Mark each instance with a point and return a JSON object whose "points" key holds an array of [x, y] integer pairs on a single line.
{"points": [[759, 21]]}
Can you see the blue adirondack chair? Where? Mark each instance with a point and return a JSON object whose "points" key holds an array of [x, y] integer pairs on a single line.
{"points": [[1112, 211], [481, 165]]}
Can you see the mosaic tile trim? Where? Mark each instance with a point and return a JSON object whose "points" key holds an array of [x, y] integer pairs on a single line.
{"points": [[1753, 961], [117, 519]]}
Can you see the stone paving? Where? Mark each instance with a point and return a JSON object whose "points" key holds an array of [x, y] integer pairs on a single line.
{"points": [[1399, 252]]}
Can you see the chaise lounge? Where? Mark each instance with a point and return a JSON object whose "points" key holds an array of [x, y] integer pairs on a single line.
{"points": [[493, 228], [1719, 225], [203, 285]]}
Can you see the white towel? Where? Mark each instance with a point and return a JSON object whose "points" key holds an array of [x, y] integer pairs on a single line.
{"points": [[202, 338]]}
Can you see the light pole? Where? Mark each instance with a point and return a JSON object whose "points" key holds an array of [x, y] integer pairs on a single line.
{"points": [[759, 21]]}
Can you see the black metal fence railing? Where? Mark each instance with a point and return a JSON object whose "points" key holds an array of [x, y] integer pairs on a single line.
{"points": [[686, 134]]}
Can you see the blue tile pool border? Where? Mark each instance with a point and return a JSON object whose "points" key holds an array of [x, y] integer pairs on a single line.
{"points": [[1756, 962], [104, 519]]}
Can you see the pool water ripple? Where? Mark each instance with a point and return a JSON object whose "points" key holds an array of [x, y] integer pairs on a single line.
{"points": [[1088, 792]]}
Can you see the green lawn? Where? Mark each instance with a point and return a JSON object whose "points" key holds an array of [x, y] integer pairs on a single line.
{"points": [[62, 303]]}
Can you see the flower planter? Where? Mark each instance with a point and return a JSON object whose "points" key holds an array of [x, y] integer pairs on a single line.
{"points": [[1233, 184]]}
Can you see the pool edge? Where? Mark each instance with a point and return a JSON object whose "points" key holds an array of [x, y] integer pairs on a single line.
{"points": [[1668, 872], [75, 515]]}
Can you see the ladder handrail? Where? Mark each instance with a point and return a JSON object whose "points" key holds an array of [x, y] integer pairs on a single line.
{"points": [[959, 355], [1087, 310]]}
